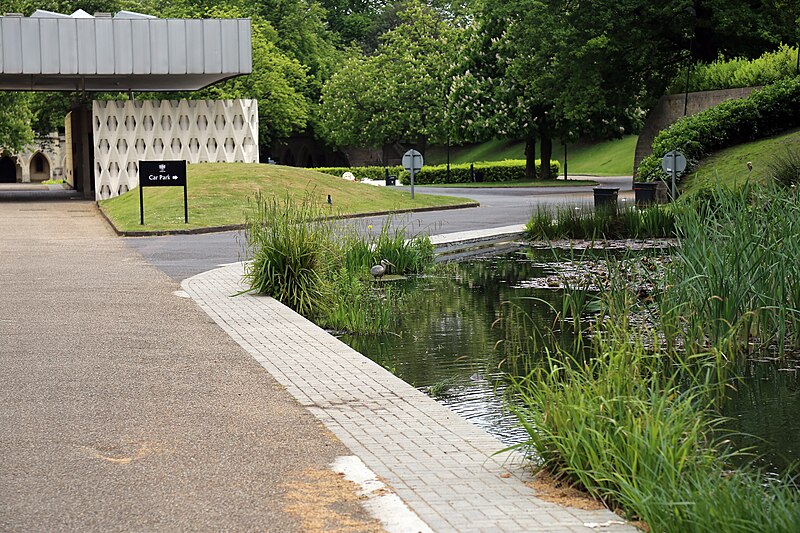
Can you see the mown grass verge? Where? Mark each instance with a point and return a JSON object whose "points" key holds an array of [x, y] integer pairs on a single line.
{"points": [[219, 195]]}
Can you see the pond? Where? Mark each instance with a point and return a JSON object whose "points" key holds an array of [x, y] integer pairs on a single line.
{"points": [[446, 347]]}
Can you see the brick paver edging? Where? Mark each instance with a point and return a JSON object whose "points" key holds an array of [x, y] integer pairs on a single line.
{"points": [[441, 465]]}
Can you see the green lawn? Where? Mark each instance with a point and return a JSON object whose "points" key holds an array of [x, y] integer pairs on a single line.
{"points": [[219, 195], [609, 158], [516, 183], [728, 167]]}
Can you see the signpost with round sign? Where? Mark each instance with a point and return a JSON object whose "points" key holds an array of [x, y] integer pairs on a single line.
{"points": [[412, 162], [673, 163]]}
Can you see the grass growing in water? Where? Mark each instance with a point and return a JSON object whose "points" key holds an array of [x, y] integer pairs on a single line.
{"points": [[629, 222], [635, 427], [299, 260], [735, 280]]}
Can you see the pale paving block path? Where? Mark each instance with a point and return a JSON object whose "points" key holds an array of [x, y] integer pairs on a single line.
{"points": [[441, 465]]}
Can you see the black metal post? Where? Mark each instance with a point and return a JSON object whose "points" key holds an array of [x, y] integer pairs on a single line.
{"points": [[688, 71], [185, 206], [472, 172], [141, 206], [693, 13], [566, 175]]}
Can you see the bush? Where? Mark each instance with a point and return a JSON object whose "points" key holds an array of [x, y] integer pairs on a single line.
{"points": [[721, 74], [785, 168], [768, 111], [290, 243], [509, 170]]}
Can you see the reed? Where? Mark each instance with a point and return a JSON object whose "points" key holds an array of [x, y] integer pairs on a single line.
{"points": [[289, 245], [566, 222], [735, 279]]}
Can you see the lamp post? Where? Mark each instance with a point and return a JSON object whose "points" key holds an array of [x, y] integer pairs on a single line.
{"points": [[693, 14]]}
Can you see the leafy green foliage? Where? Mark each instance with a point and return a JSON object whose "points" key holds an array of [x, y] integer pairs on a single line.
{"points": [[298, 260], [15, 121], [289, 245], [741, 72], [399, 93], [736, 272], [785, 167], [768, 111]]}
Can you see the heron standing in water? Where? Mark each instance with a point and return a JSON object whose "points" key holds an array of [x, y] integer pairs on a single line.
{"points": [[379, 270]]}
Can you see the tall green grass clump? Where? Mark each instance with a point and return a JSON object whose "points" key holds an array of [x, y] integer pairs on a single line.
{"points": [[635, 426], [290, 244], [565, 222], [735, 277], [298, 259]]}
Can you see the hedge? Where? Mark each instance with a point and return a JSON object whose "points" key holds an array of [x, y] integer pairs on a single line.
{"points": [[730, 74], [768, 111], [508, 170]]}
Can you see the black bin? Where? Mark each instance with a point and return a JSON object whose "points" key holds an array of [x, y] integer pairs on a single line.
{"points": [[606, 197], [645, 192], [391, 181]]}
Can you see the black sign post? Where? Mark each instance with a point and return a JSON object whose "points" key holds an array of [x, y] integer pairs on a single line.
{"points": [[162, 174]]}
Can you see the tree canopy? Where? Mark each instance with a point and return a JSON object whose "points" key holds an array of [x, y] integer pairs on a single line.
{"points": [[398, 94]]}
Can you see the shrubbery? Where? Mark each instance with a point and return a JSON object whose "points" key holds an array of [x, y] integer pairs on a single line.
{"points": [[768, 111], [509, 170], [731, 74]]}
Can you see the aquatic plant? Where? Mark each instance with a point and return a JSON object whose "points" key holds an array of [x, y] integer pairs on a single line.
{"points": [[735, 277], [289, 245], [567, 222]]}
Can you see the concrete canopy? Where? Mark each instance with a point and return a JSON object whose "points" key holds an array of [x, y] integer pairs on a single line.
{"points": [[129, 51]]}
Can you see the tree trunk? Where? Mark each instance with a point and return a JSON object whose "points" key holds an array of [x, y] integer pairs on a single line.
{"points": [[547, 153], [530, 157]]}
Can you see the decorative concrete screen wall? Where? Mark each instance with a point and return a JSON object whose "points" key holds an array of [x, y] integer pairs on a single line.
{"points": [[195, 130]]}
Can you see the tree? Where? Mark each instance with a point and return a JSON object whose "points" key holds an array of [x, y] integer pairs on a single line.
{"points": [[561, 69], [15, 122], [398, 94]]}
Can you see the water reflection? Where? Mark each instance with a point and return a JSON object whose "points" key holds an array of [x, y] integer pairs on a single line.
{"points": [[446, 347]]}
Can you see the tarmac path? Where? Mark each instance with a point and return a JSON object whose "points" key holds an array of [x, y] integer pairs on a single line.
{"points": [[123, 407]]}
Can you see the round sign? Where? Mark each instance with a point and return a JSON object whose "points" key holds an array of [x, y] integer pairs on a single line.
{"points": [[412, 161], [673, 159]]}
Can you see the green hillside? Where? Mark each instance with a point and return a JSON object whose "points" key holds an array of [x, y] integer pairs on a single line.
{"points": [[728, 167], [608, 158]]}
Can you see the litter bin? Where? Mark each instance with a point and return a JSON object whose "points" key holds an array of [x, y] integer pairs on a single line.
{"points": [[391, 181], [605, 197], [645, 192]]}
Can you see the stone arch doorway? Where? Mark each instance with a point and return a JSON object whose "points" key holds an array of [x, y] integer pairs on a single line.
{"points": [[40, 168], [8, 170]]}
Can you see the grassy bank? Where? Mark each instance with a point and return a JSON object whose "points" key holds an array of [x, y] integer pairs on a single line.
{"points": [[608, 158], [219, 195], [728, 167]]}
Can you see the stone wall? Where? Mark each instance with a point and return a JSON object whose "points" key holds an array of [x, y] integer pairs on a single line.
{"points": [[670, 109], [41, 161]]}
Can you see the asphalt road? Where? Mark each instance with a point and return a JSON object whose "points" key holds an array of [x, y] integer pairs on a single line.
{"points": [[183, 256]]}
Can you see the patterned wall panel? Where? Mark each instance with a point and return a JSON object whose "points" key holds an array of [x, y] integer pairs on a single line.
{"points": [[195, 130]]}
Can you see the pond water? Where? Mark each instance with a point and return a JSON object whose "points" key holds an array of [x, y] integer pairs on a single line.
{"points": [[446, 347]]}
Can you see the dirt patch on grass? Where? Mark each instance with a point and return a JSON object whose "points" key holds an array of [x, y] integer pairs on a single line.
{"points": [[324, 501]]}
